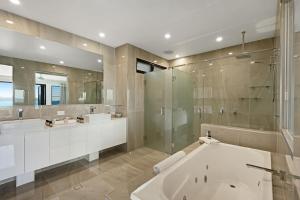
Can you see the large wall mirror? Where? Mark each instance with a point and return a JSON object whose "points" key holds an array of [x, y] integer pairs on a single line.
{"points": [[34, 71]]}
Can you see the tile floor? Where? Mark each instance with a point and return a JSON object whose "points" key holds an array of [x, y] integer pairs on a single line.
{"points": [[113, 177]]}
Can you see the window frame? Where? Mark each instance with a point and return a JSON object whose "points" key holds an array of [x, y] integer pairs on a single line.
{"points": [[152, 66], [287, 75]]}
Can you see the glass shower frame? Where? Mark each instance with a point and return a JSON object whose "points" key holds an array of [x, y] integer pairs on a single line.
{"points": [[168, 110]]}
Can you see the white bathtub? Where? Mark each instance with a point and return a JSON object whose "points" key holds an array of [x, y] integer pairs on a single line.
{"points": [[223, 166]]}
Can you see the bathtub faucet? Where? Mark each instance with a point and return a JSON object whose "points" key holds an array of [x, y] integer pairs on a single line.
{"points": [[282, 174], [208, 134]]}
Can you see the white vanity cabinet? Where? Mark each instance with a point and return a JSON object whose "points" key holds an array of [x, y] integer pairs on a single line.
{"points": [[36, 150], [59, 144], [119, 131], [11, 154], [106, 134], [78, 141], [68, 142], [27, 145], [94, 138]]}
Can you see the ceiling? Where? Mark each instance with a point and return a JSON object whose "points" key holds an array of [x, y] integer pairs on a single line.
{"points": [[18, 45], [193, 24]]}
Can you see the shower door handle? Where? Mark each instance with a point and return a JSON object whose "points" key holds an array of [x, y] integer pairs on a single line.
{"points": [[199, 111], [162, 111]]}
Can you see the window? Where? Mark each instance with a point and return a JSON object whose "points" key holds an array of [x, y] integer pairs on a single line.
{"points": [[55, 95], [6, 86], [143, 66]]}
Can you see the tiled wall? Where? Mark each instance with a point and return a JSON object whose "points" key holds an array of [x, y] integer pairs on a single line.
{"points": [[49, 112], [263, 140], [36, 29], [244, 91], [130, 90]]}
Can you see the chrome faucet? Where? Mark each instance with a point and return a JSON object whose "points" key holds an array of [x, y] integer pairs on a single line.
{"points": [[208, 134], [20, 114], [282, 174], [92, 109]]}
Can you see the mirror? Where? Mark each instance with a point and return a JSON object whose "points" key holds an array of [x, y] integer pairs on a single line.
{"points": [[34, 71]]}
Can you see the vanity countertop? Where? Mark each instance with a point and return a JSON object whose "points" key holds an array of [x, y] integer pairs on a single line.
{"points": [[21, 126]]}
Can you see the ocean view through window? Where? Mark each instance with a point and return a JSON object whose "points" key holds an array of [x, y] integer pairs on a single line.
{"points": [[6, 86]]}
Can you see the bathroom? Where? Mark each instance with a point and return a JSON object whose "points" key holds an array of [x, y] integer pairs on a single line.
{"points": [[149, 99]]}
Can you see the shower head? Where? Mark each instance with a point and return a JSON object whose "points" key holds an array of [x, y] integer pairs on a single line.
{"points": [[244, 54]]}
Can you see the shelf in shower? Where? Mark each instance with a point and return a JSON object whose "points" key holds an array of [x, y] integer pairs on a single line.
{"points": [[260, 86], [250, 98]]}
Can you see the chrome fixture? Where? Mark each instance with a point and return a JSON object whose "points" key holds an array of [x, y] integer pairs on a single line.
{"points": [[282, 174], [92, 109], [208, 134], [244, 53], [222, 110], [20, 113]]}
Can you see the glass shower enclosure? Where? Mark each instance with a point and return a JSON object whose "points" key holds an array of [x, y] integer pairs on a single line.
{"points": [[169, 110]]}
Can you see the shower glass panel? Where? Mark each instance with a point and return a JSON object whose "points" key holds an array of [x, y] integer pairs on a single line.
{"points": [[168, 110], [158, 110], [183, 110], [236, 92]]}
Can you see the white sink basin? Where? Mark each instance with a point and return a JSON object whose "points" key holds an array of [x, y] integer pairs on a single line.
{"points": [[98, 117], [21, 124]]}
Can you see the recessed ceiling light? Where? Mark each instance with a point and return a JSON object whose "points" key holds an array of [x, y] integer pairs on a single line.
{"points": [[9, 21], [177, 56], [42, 47], [102, 35], [123, 56], [84, 44], [230, 53], [99, 61], [61, 62], [16, 2], [210, 64], [219, 39], [167, 36], [252, 62], [22, 67], [155, 61]]}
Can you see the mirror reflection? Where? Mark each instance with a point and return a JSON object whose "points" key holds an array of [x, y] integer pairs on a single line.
{"points": [[35, 71]]}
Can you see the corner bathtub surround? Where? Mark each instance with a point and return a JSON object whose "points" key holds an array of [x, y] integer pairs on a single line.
{"points": [[28, 145], [257, 139]]}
